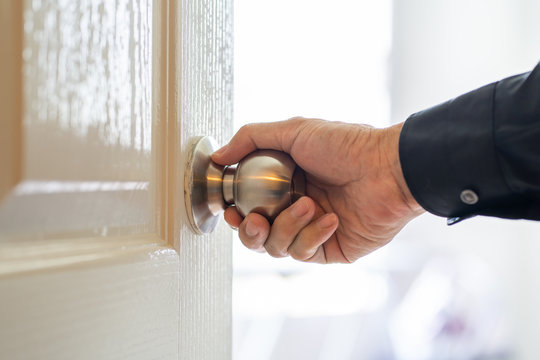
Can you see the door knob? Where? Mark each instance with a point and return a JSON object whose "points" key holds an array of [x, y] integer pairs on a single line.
{"points": [[265, 182]]}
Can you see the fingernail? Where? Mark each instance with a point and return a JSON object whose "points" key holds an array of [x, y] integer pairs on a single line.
{"points": [[299, 208], [251, 229], [327, 221], [233, 227], [221, 151]]}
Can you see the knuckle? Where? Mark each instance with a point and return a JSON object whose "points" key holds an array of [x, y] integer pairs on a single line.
{"points": [[251, 244], [245, 129], [290, 221], [248, 244], [297, 119], [298, 254], [308, 202], [281, 226], [273, 251]]}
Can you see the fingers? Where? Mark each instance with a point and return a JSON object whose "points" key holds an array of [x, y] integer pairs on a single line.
{"points": [[309, 241], [294, 232], [277, 135], [253, 231], [287, 225], [233, 218]]}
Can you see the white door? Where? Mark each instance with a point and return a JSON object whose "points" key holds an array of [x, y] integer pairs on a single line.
{"points": [[98, 100]]}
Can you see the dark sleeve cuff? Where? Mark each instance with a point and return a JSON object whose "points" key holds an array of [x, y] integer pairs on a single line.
{"points": [[448, 156]]}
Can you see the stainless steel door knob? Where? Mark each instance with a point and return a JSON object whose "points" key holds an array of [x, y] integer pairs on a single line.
{"points": [[265, 182]]}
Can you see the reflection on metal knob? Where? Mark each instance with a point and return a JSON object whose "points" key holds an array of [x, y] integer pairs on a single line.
{"points": [[265, 182]]}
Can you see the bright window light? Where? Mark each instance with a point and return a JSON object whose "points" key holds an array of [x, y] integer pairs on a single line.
{"points": [[311, 58]]}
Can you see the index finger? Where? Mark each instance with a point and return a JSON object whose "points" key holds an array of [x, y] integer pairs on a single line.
{"points": [[276, 135]]}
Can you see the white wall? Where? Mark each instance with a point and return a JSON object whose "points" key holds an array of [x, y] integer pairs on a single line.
{"points": [[445, 48], [312, 58]]}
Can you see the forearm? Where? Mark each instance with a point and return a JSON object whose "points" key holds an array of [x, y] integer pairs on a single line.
{"points": [[478, 153]]}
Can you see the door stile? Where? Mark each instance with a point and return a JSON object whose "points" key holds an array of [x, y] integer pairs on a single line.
{"points": [[200, 64], [11, 23]]}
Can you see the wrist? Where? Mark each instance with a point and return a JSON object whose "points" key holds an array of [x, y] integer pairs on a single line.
{"points": [[390, 148]]}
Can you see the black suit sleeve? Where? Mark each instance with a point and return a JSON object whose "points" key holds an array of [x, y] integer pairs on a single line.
{"points": [[478, 154]]}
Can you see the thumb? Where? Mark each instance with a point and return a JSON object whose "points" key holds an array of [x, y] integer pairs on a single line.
{"points": [[277, 135]]}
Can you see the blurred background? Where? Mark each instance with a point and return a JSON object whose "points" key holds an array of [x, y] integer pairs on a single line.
{"points": [[468, 291]]}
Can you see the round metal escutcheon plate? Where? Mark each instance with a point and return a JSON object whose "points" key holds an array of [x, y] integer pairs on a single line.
{"points": [[202, 186]]}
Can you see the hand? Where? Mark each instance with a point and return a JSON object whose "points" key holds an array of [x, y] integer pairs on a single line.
{"points": [[357, 199]]}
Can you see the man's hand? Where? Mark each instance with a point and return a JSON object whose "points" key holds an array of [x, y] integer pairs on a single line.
{"points": [[357, 199]]}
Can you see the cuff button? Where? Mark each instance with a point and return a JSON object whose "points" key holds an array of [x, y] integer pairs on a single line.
{"points": [[468, 197]]}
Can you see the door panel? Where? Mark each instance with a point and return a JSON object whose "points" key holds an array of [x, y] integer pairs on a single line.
{"points": [[96, 256], [122, 307], [88, 134]]}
